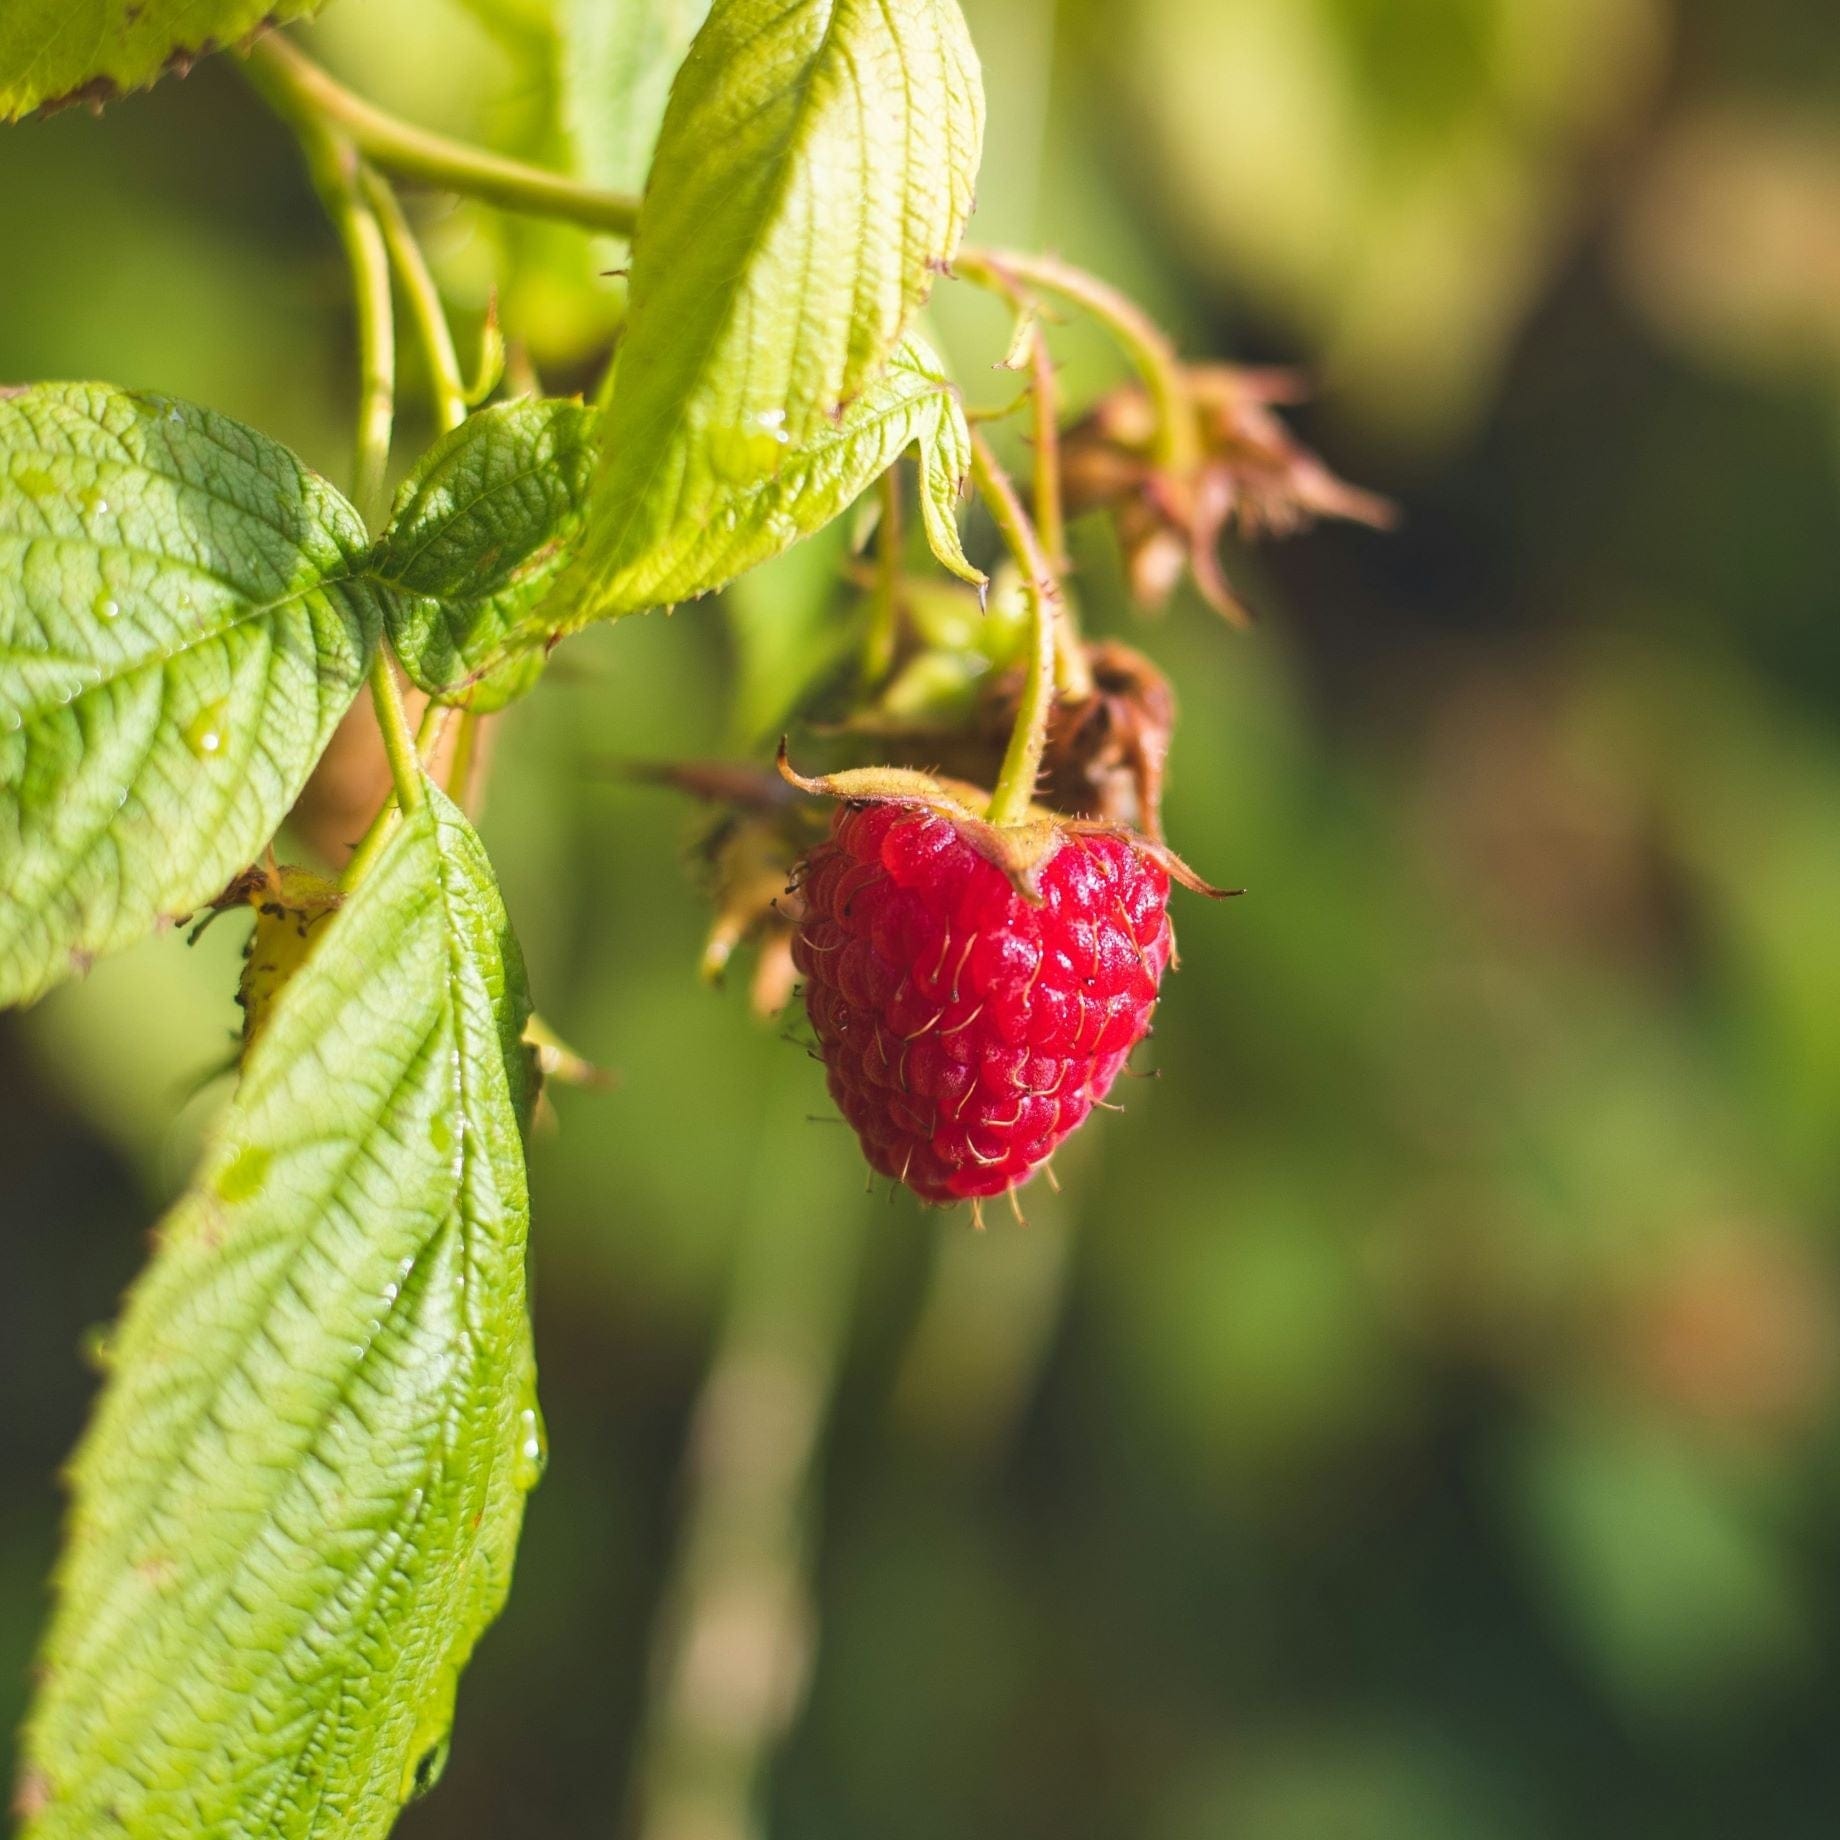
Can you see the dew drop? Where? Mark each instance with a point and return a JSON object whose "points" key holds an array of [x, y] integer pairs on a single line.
{"points": [[93, 503], [207, 733], [750, 450], [107, 607], [532, 1450], [98, 1348], [247, 1172]]}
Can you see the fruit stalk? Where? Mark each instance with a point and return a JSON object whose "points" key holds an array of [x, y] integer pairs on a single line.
{"points": [[1015, 788]]}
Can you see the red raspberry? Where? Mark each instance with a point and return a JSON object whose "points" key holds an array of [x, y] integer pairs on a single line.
{"points": [[965, 1030]]}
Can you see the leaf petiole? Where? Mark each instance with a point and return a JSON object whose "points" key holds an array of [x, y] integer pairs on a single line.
{"points": [[1015, 788], [1014, 275], [426, 313], [299, 89]]}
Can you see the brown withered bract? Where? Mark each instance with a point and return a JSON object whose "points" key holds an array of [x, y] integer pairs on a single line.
{"points": [[748, 859], [1107, 753], [1253, 476]]}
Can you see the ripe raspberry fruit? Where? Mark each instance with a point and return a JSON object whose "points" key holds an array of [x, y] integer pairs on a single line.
{"points": [[965, 1028]]}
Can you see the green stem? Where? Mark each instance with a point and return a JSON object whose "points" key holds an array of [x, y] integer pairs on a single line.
{"points": [[1050, 517], [1072, 672], [1015, 788], [333, 166], [405, 769], [1012, 273], [335, 175], [424, 301], [299, 88], [398, 742]]}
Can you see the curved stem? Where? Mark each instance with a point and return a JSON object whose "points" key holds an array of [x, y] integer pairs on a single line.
{"points": [[1072, 673], [298, 87], [1050, 518], [1012, 273], [398, 742], [334, 170], [1015, 788], [405, 768], [427, 314]]}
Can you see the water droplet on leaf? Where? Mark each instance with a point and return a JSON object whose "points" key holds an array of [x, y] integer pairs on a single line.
{"points": [[533, 1448], [107, 607], [207, 732], [247, 1172]]}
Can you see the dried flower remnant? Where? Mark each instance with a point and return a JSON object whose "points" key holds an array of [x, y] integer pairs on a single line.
{"points": [[1253, 476]]}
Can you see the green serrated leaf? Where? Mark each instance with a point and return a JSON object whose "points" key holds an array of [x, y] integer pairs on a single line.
{"points": [[911, 404], [181, 627], [298, 1505], [54, 51], [813, 174], [481, 529], [617, 60]]}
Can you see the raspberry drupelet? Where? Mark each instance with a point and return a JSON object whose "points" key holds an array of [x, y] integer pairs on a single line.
{"points": [[966, 1029]]}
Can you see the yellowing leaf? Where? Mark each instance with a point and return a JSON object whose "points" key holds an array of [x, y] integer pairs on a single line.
{"points": [[616, 60], [749, 521], [813, 174]]}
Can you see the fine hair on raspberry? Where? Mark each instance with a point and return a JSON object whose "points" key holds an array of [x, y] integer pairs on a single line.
{"points": [[966, 1028]]}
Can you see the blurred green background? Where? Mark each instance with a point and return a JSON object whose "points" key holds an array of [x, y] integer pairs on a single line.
{"points": [[1418, 1417]]}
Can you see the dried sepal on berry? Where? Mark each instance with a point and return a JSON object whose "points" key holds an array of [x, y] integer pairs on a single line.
{"points": [[1021, 851], [747, 859], [1107, 752], [975, 989]]}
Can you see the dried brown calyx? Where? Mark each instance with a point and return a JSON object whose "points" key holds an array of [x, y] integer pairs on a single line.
{"points": [[1108, 751], [1021, 851], [1253, 476]]}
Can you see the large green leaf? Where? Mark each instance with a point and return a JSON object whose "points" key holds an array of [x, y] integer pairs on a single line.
{"points": [[298, 1506], [911, 404], [481, 529], [813, 174], [617, 59], [181, 627], [55, 51]]}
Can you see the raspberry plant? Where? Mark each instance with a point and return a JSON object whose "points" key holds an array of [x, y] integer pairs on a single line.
{"points": [[299, 1503]]}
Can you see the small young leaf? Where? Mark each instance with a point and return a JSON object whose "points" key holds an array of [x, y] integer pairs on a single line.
{"points": [[911, 404], [481, 529], [181, 627], [617, 59], [298, 1505], [54, 51], [813, 174]]}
